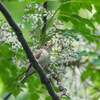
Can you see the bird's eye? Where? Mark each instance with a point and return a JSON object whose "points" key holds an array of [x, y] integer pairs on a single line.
{"points": [[45, 44]]}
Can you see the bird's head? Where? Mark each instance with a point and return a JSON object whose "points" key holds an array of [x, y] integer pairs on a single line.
{"points": [[47, 46]]}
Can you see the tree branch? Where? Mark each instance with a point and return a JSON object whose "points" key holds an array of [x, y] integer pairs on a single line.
{"points": [[8, 95], [29, 53], [44, 18], [61, 88]]}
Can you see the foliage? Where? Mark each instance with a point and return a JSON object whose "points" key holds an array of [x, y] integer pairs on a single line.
{"points": [[74, 19]]}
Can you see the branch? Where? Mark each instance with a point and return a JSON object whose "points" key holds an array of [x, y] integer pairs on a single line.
{"points": [[29, 53], [8, 95], [74, 63], [61, 88], [44, 18]]}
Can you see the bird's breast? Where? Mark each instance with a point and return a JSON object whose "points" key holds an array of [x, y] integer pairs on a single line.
{"points": [[44, 58]]}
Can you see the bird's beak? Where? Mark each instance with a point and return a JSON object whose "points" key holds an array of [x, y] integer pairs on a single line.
{"points": [[51, 45]]}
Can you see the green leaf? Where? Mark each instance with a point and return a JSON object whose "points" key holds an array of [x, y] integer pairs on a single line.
{"points": [[38, 1], [44, 38], [86, 33], [96, 61], [96, 17], [16, 91], [34, 95], [48, 98], [31, 11], [86, 74], [81, 54], [16, 9], [95, 2], [70, 34], [86, 5], [84, 53], [84, 20]]}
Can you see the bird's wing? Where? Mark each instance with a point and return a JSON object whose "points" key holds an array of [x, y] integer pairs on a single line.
{"points": [[38, 54]]}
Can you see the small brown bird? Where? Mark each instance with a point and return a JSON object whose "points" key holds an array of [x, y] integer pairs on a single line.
{"points": [[43, 57]]}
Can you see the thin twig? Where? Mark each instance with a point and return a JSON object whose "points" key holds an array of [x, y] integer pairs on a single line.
{"points": [[7, 96], [44, 19], [61, 88]]}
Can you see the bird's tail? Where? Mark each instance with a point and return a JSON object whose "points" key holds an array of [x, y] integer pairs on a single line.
{"points": [[24, 79]]}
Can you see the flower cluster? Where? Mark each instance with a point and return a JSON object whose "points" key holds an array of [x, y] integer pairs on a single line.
{"points": [[35, 18], [63, 53], [7, 36]]}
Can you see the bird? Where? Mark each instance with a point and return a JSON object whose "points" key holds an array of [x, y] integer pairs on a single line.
{"points": [[43, 58]]}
